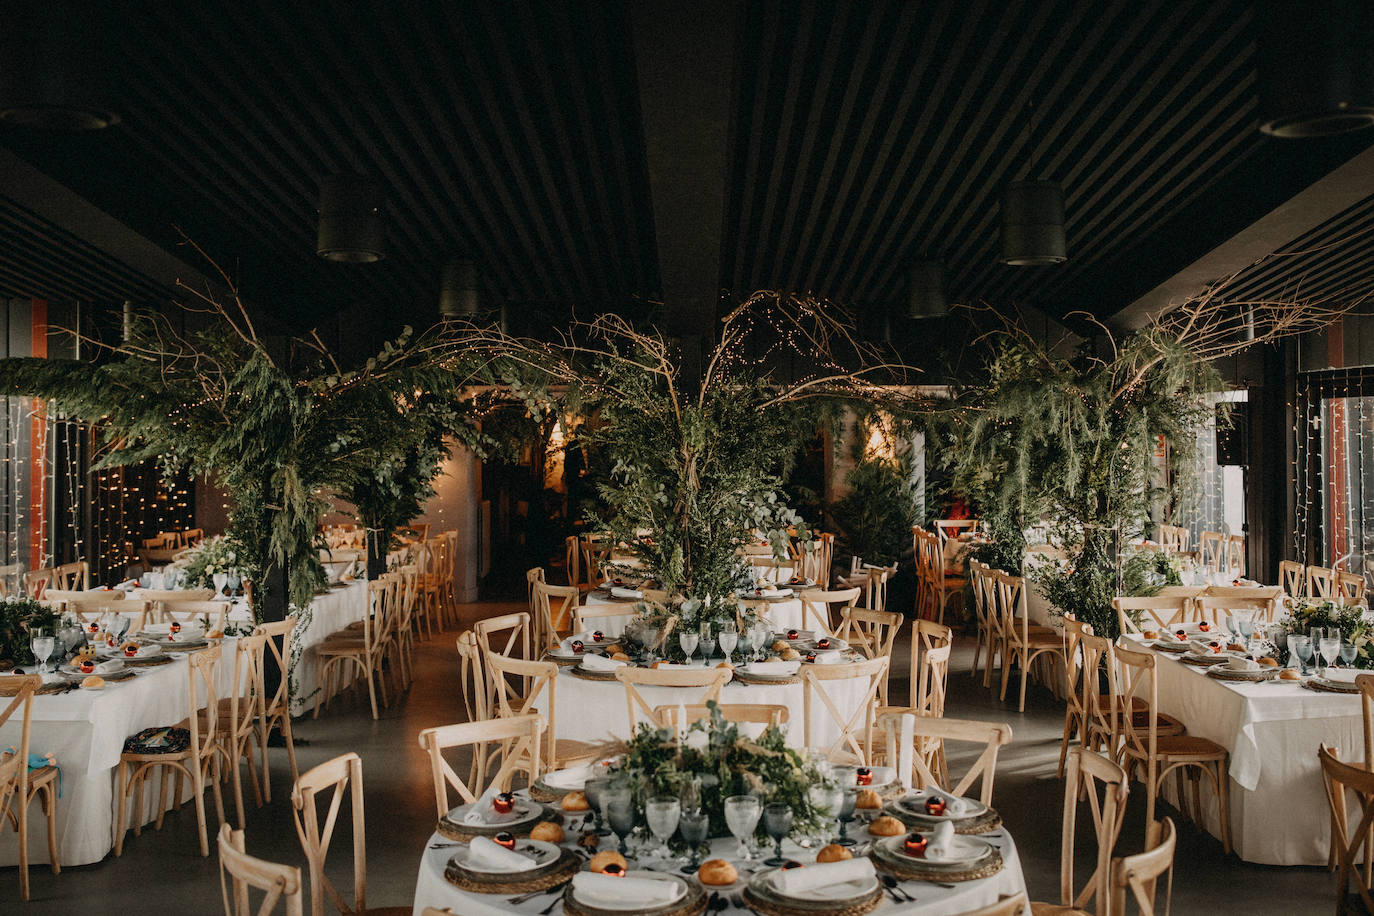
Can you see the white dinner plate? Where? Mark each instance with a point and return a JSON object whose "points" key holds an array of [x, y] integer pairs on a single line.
{"points": [[835, 643], [882, 776], [624, 904], [915, 804], [963, 851], [538, 852], [573, 779], [526, 812], [848, 890], [569, 655]]}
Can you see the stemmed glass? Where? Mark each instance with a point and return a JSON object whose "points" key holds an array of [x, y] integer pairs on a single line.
{"points": [[688, 642], [1330, 647], [777, 822], [1301, 646], [827, 797], [746, 647], [849, 801], [662, 813], [728, 638], [1246, 622], [41, 642], [596, 789], [620, 811], [742, 814], [649, 639], [763, 634], [1348, 652], [708, 642], [693, 826]]}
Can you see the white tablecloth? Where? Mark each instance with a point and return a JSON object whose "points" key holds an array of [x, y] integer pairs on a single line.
{"points": [[785, 614], [329, 613], [433, 890], [1272, 730], [589, 710]]}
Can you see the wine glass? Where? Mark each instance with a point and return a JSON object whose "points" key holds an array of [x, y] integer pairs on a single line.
{"points": [[41, 642], [1301, 646], [688, 642], [693, 826], [620, 811], [708, 642], [850, 799], [595, 789], [826, 797], [662, 813], [1330, 647], [777, 822], [1348, 653], [729, 638], [742, 813], [648, 637]]}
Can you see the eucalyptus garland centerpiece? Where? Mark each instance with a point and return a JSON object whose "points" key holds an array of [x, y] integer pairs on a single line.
{"points": [[1306, 613], [19, 616], [214, 556], [713, 758]]}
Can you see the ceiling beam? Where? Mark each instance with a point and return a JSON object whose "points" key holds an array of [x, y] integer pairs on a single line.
{"points": [[36, 192], [1327, 197], [684, 55]]}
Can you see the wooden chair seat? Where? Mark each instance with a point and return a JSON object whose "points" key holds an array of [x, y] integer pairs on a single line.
{"points": [[569, 750], [1186, 747], [1043, 640], [1169, 727], [1054, 909]]}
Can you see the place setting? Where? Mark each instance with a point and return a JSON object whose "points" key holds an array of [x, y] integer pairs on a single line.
{"points": [[493, 813]]}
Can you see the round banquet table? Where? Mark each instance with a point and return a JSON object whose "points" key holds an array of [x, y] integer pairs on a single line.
{"points": [[595, 710], [433, 890], [782, 613]]}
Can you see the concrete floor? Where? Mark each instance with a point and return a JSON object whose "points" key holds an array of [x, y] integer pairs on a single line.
{"points": [[161, 872]]}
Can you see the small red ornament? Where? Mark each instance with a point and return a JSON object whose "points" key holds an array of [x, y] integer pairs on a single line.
{"points": [[915, 845], [935, 806], [793, 634], [131, 651], [1214, 646], [614, 870], [791, 863], [1182, 635], [1204, 626], [863, 776], [94, 628], [87, 666], [577, 646], [503, 803], [505, 839], [175, 627], [598, 636], [823, 643], [811, 656]]}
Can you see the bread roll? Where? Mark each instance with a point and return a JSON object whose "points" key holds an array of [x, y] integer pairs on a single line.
{"points": [[1150, 634], [547, 831], [791, 655], [1268, 662], [868, 798], [602, 859], [886, 826], [575, 801], [781, 644], [834, 853], [717, 872], [94, 682], [620, 656], [1288, 674]]}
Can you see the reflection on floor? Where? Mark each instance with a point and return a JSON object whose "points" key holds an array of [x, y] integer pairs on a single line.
{"points": [[160, 872]]}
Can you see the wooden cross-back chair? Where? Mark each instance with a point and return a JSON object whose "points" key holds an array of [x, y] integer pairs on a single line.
{"points": [[276, 710], [931, 738], [596, 553], [1235, 554], [1106, 703], [240, 871], [200, 761], [536, 694], [1023, 644], [816, 604], [1264, 600], [210, 613], [73, 575], [740, 713], [1104, 785], [37, 581], [1155, 613], [344, 775], [1352, 848], [941, 583], [855, 740], [948, 529], [1075, 680], [532, 578], [984, 586], [1293, 578], [1213, 551], [1350, 588], [766, 569], [364, 654], [518, 736], [19, 785], [584, 613], [874, 584], [405, 599], [871, 632], [555, 612], [1173, 538], [240, 718], [708, 680], [11, 579], [572, 562], [1159, 755], [1321, 582], [931, 646], [1140, 873]]}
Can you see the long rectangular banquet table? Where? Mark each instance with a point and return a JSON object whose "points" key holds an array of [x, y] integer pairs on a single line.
{"points": [[1272, 731]]}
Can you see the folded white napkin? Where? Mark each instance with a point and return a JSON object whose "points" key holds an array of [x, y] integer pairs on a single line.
{"points": [[110, 667], [769, 592], [570, 778], [487, 853], [1241, 663], [940, 844], [954, 805], [128, 585], [618, 592], [796, 881], [601, 663], [774, 669], [566, 644], [482, 811], [829, 657], [1201, 647], [147, 651], [625, 892], [1343, 675]]}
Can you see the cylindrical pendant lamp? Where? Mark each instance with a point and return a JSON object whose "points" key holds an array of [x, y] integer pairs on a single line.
{"points": [[56, 68], [1315, 66], [350, 220], [458, 289], [1033, 224], [925, 281]]}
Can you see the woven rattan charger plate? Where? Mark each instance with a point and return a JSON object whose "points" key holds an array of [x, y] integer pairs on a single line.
{"points": [[767, 681], [150, 661], [968, 826], [560, 870], [985, 869], [693, 904], [777, 908], [579, 671], [1323, 688]]}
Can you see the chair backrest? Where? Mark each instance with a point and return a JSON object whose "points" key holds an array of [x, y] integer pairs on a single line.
{"points": [[816, 606], [930, 740], [1074, 667], [1174, 538], [875, 585], [871, 632], [36, 581], [1350, 588], [535, 694], [1293, 578], [343, 774], [1154, 613], [192, 536], [1100, 712], [507, 634], [555, 610], [14, 769], [754, 713], [1221, 599], [1016, 905], [1235, 554], [240, 871], [1104, 785], [1321, 582], [73, 575], [585, 612], [204, 700], [931, 645], [1140, 730], [532, 576], [572, 559], [472, 676], [709, 680], [855, 738], [211, 613], [283, 630], [1213, 550], [83, 596], [948, 528], [767, 569], [1351, 846], [595, 554], [1011, 607], [176, 594], [520, 737], [1140, 873]]}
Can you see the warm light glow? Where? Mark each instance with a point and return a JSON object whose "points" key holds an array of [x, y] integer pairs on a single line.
{"points": [[880, 444]]}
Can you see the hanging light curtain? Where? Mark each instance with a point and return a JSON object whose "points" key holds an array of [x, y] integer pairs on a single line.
{"points": [[925, 282], [350, 220], [458, 289], [1033, 224]]}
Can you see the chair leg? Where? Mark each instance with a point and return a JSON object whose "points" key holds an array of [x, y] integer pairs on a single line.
{"points": [[324, 683], [49, 797], [1006, 673], [1064, 743], [1024, 671], [198, 787], [371, 690], [23, 830], [1224, 803], [237, 778], [122, 806], [285, 723]]}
